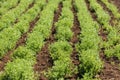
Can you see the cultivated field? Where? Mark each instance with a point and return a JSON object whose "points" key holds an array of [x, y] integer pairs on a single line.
{"points": [[59, 39]]}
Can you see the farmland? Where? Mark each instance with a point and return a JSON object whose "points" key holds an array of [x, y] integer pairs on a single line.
{"points": [[59, 40]]}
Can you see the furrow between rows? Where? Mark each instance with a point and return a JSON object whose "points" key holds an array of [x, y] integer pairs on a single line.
{"points": [[43, 58]]}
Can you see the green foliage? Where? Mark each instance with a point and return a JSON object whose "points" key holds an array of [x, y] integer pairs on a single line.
{"points": [[88, 47], [62, 22], [30, 14], [113, 38], [22, 26], [8, 19], [60, 49], [113, 52], [44, 30], [5, 6], [61, 69], [88, 77], [88, 40], [7, 42], [19, 69], [60, 52], [63, 28], [102, 16], [113, 8], [63, 34], [23, 53], [34, 41], [90, 63]]}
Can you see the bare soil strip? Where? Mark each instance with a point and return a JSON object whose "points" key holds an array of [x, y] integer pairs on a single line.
{"points": [[44, 61], [110, 71], [76, 30], [20, 42]]}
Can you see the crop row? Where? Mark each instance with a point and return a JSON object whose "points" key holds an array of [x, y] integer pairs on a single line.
{"points": [[111, 32], [88, 47], [114, 50], [23, 58], [61, 49], [113, 8]]}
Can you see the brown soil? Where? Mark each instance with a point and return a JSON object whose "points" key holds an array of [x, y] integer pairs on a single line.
{"points": [[107, 10], [102, 34], [116, 2], [5, 59], [16, 21], [111, 69], [47, 1], [44, 61], [20, 42], [92, 12]]}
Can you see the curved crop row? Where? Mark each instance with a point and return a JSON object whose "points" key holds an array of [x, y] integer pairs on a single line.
{"points": [[112, 34], [90, 63], [25, 55], [8, 42], [61, 50], [5, 6], [113, 8], [9, 18]]}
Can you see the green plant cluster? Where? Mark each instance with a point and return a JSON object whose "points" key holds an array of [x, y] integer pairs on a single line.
{"points": [[88, 47], [19, 69], [7, 42], [23, 53], [104, 17], [9, 18], [61, 50], [65, 23], [113, 8], [113, 38], [7, 5]]}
